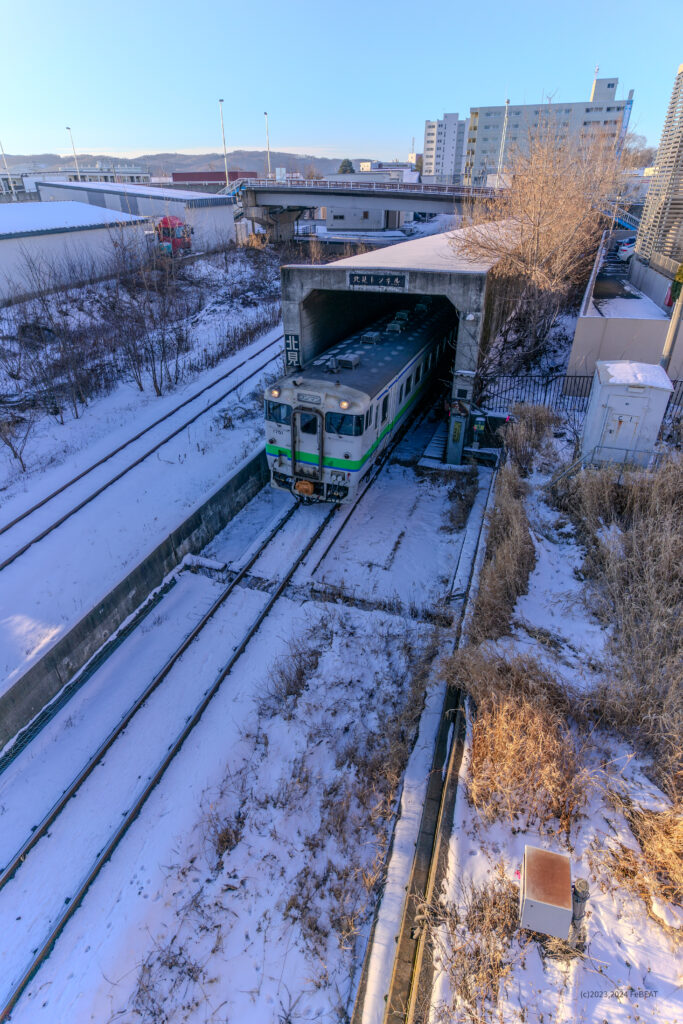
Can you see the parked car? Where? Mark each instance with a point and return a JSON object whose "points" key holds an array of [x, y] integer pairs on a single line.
{"points": [[626, 248]]}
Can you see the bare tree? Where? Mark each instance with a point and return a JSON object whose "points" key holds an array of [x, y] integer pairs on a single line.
{"points": [[14, 432], [542, 230]]}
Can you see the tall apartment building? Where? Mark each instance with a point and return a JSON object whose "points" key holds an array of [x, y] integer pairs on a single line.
{"points": [[495, 131], [660, 235], [443, 159]]}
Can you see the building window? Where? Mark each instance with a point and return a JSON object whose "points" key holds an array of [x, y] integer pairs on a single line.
{"points": [[366, 215], [337, 216]]}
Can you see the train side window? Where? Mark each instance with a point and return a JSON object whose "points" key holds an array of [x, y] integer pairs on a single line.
{"points": [[368, 418], [385, 408], [400, 394], [278, 412], [418, 374], [409, 385]]}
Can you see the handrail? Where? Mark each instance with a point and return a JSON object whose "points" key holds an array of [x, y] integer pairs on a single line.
{"points": [[323, 185]]}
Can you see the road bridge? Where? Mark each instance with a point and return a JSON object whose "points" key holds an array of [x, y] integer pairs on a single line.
{"points": [[277, 205]]}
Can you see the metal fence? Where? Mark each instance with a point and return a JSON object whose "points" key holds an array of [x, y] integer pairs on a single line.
{"points": [[563, 394]]}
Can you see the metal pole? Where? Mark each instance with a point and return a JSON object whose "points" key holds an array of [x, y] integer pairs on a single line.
{"points": [[265, 114], [78, 173], [225, 152], [9, 176], [671, 333]]}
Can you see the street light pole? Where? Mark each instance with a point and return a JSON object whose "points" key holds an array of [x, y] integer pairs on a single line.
{"points": [[225, 152], [265, 114], [9, 176], [78, 173]]}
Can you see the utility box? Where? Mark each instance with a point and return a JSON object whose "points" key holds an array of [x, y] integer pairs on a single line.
{"points": [[625, 411], [546, 892]]}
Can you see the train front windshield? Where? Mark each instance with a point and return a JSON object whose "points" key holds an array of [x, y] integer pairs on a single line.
{"points": [[278, 412]]}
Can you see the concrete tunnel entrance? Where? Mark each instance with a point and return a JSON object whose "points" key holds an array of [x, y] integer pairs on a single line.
{"points": [[328, 316]]}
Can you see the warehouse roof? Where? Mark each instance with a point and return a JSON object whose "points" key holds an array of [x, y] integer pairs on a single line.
{"points": [[18, 220], [177, 195]]}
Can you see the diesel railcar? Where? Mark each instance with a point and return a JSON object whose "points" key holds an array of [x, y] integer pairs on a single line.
{"points": [[326, 424]]}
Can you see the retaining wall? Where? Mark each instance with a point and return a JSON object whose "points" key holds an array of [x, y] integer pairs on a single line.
{"points": [[44, 680]]}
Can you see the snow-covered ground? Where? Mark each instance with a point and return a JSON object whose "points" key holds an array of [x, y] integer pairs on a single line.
{"points": [[630, 968], [245, 889]]}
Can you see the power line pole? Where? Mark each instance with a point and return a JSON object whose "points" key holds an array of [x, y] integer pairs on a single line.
{"points": [[78, 173], [677, 293], [225, 152], [265, 114]]}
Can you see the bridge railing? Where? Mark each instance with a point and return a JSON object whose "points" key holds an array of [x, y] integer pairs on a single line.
{"points": [[323, 185]]}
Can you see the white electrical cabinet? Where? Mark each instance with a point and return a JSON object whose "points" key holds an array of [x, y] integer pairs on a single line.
{"points": [[625, 411], [546, 892]]}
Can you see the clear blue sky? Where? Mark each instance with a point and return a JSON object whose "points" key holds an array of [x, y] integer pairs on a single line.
{"points": [[338, 77]]}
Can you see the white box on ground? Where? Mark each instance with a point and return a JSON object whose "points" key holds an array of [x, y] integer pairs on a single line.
{"points": [[546, 892], [625, 411]]}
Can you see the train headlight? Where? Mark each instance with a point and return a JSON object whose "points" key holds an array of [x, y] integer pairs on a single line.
{"points": [[344, 404], [274, 392]]}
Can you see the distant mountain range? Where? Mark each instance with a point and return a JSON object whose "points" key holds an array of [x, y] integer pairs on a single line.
{"points": [[164, 163]]}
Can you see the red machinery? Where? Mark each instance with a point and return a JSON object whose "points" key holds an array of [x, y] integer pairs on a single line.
{"points": [[174, 236]]}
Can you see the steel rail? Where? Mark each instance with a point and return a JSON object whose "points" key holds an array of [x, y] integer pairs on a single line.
{"points": [[17, 860], [86, 501], [42, 952], [136, 437]]}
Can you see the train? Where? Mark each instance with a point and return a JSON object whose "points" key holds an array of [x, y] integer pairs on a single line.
{"points": [[329, 422]]}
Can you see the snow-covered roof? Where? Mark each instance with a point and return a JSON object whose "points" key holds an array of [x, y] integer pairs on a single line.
{"points": [[435, 252], [18, 219], [123, 188], [623, 371]]}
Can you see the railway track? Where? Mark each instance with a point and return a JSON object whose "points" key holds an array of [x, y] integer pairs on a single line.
{"points": [[72, 892], [13, 556], [407, 999]]}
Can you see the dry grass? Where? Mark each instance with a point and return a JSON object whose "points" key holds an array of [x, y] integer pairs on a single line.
{"points": [[510, 557], [526, 434], [289, 677], [634, 534], [471, 941], [655, 871], [461, 495], [525, 763]]}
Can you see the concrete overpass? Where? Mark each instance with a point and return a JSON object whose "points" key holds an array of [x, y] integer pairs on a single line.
{"points": [[278, 204]]}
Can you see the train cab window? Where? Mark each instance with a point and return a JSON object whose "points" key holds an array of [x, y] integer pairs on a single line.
{"points": [[409, 385], [418, 374], [308, 423], [368, 418], [278, 412], [342, 423], [385, 408]]}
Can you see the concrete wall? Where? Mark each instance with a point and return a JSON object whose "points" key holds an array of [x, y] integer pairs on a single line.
{"points": [[650, 282], [47, 677], [354, 219], [38, 263], [598, 337]]}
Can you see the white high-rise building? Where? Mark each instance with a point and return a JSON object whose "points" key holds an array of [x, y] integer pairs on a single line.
{"points": [[494, 132], [443, 159]]}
